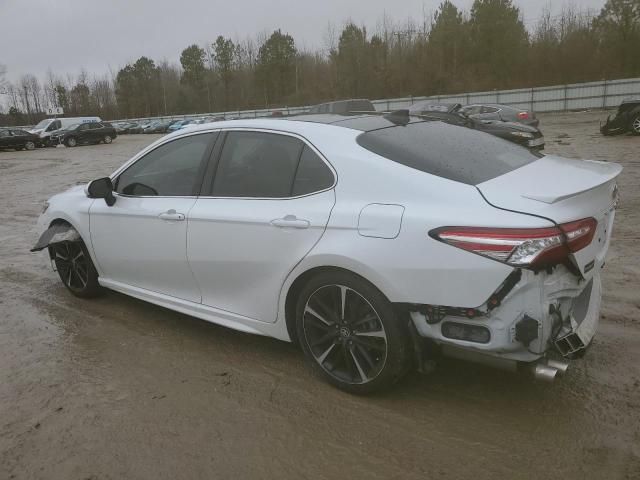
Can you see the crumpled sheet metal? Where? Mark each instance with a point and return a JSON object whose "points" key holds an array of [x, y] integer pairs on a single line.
{"points": [[57, 233]]}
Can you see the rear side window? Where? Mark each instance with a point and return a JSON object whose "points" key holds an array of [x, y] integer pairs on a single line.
{"points": [[448, 151], [313, 174], [257, 164]]}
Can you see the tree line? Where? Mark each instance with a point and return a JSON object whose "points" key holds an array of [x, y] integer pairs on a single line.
{"points": [[450, 51]]}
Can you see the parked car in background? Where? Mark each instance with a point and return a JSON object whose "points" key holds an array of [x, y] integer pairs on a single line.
{"points": [[18, 139], [46, 127], [159, 126], [178, 125], [122, 128], [134, 128], [505, 113], [85, 133], [519, 133], [344, 106], [626, 119]]}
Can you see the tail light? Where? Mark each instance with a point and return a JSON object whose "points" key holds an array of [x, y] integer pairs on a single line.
{"points": [[523, 247], [523, 115]]}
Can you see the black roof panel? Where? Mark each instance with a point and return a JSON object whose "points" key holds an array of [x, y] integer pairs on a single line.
{"points": [[364, 123]]}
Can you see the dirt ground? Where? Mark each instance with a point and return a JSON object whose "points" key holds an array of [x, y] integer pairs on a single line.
{"points": [[115, 388]]}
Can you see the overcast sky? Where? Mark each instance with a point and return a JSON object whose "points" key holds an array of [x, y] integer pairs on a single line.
{"points": [[98, 35]]}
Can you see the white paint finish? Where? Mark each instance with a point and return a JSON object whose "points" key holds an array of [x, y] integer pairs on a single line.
{"points": [[133, 245], [379, 220], [246, 253], [241, 250], [559, 188]]}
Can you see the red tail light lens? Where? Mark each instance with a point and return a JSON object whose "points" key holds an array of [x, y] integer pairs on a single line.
{"points": [[523, 115], [521, 246]]}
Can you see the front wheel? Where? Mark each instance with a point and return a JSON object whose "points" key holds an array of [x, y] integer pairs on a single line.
{"points": [[107, 139], [635, 125], [30, 145], [75, 268], [350, 333], [71, 142]]}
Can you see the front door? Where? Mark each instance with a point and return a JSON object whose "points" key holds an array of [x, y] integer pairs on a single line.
{"points": [[140, 241], [268, 205]]}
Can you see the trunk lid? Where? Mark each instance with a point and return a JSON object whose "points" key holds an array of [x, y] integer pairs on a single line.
{"points": [[562, 190]]}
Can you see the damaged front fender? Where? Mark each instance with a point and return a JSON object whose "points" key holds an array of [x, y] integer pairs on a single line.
{"points": [[59, 232]]}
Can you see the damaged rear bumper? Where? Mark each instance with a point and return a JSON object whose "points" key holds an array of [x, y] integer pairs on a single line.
{"points": [[543, 314]]}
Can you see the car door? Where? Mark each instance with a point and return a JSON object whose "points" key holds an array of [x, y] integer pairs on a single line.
{"points": [[6, 139], [265, 208], [140, 241], [18, 138]]}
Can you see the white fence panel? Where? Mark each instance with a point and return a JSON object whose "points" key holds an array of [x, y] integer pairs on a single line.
{"points": [[603, 94]]}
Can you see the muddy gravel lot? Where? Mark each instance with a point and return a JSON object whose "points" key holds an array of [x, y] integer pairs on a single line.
{"points": [[115, 388]]}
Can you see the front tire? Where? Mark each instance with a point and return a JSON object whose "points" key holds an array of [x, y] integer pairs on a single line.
{"points": [[635, 125], [107, 139], [30, 146], [75, 268], [350, 333], [71, 142]]}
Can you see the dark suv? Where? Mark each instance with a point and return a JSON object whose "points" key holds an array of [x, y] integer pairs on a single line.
{"points": [[85, 133], [627, 119]]}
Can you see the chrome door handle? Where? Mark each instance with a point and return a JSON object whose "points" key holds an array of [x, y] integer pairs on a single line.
{"points": [[290, 221], [171, 216]]}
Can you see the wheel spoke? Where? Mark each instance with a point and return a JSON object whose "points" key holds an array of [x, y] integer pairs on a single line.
{"points": [[80, 254], [317, 316], [60, 256], [366, 319], [370, 343], [326, 353], [343, 301], [323, 339], [363, 376], [365, 354], [373, 333]]}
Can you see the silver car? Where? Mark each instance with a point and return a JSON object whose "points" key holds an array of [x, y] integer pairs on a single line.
{"points": [[494, 111]]}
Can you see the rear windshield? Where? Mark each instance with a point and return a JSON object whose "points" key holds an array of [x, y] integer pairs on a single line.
{"points": [[448, 151]]}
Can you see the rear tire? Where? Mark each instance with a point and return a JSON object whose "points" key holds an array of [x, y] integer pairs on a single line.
{"points": [[350, 333], [75, 268], [635, 125]]}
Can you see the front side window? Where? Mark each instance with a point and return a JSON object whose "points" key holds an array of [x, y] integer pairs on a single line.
{"points": [[258, 165], [172, 169], [4, 133]]}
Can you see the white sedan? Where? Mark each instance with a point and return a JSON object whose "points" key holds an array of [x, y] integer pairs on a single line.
{"points": [[375, 242]]}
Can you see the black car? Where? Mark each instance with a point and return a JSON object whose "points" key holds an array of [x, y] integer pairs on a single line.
{"points": [[525, 135], [627, 119], [85, 133], [18, 139]]}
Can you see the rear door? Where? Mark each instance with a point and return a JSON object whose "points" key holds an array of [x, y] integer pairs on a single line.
{"points": [[267, 205]]}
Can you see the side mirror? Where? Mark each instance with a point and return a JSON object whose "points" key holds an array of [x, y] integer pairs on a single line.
{"points": [[102, 188]]}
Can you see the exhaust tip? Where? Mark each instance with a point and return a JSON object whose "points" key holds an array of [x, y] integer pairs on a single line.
{"points": [[544, 372], [560, 365]]}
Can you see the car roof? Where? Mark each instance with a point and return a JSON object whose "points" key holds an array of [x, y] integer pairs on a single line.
{"points": [[362, 123]]}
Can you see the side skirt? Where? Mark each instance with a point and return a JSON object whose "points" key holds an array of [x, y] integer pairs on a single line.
{"points": [[203, 312]]}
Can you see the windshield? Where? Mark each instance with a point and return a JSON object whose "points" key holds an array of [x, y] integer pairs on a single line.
{"points": [[43, 124]]}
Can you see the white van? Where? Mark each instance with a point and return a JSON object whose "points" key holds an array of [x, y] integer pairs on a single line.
{"points": [[46, 127]]}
